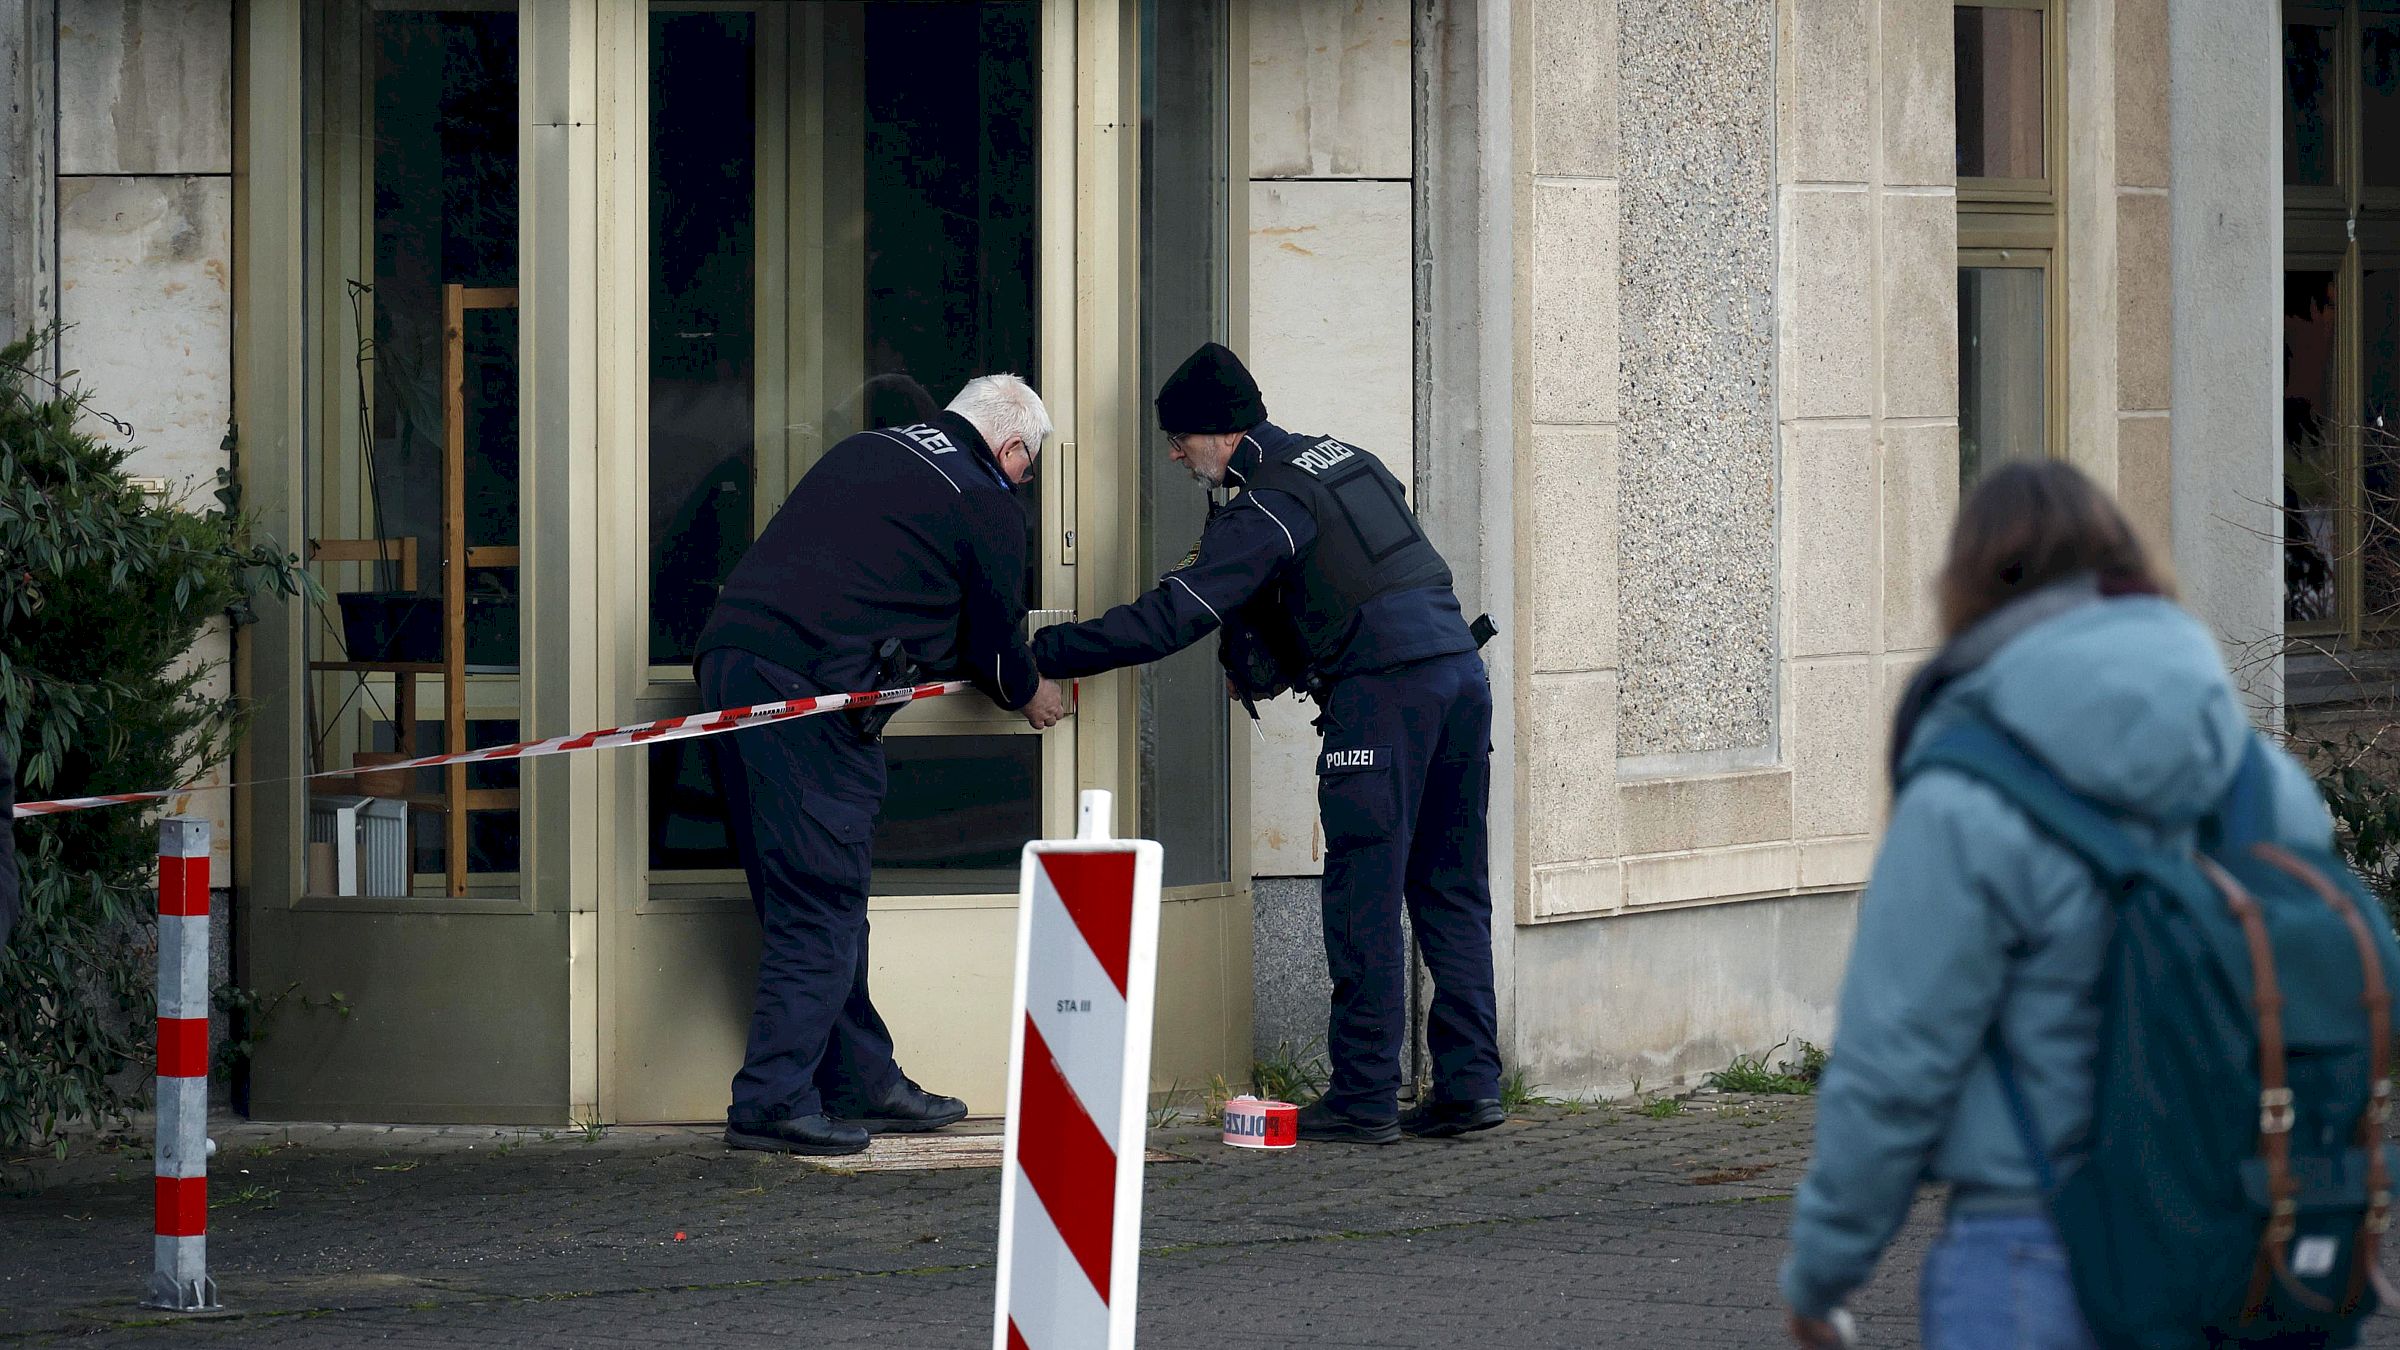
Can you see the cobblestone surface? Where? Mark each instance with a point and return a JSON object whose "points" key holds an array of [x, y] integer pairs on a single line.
{"points": [[1596, 1228]]}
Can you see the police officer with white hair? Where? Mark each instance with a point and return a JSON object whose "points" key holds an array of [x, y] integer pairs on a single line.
{"points": [[899, 556], [1320, 580]]}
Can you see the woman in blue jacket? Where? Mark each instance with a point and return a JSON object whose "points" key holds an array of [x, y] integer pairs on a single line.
{"points": [[1974, 923]]}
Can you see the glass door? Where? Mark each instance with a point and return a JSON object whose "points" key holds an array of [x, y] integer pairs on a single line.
{"points": [[844, 208]]}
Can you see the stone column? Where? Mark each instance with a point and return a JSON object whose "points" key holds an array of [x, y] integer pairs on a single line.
{"points": [[2226, 227]]}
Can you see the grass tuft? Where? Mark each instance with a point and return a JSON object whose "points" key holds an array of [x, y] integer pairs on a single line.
{"points": [[1795, 1075], [1289, 1073], [1518, 1094]]}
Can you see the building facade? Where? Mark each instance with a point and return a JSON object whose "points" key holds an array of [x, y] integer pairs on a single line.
{"points": [[1685, 321]]}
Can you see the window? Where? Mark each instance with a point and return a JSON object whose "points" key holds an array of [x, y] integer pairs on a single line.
{"points": [[2341, 319], [413, 500], [1186, 762], [2009, 276]]}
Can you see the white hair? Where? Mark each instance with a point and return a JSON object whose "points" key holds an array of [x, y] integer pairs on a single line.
{"points": [[1004, 408]]}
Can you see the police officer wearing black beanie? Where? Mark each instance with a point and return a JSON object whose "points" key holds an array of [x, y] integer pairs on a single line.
{"points": [[1318, 579]]}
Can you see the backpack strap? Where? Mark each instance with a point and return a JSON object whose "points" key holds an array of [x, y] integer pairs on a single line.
{"points": [[2377, 1000], [2247, 811], [1992, 757]]}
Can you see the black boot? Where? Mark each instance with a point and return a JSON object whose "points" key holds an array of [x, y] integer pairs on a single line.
{"points": [[1322, 1124], [821, 1135], [906, 1109], [1440, 1120]]}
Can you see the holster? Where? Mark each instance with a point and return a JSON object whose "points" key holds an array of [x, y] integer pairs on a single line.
{"points": [[1262, 654], [894, 668]]}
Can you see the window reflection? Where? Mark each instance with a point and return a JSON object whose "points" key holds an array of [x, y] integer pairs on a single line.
{"points": [[2308, 104], [2003, 367], [2379, 444], [2311, 455], [703, 296], [2379, 104], [2000, 106], [957, 814]]}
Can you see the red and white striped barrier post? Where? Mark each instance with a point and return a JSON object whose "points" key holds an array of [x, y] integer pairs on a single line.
{"points": [[180, 1278], [1078, 1090]]}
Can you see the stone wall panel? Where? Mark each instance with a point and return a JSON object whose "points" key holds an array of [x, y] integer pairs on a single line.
{"points": [[1574, 301], [1329, 90], [1573, 619], [145, 86], [1831, 509]]}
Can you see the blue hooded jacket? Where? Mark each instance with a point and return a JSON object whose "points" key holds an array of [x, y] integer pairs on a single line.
{"points": [[1974, 920]]}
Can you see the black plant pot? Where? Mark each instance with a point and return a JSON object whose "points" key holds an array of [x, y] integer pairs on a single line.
{"points": [[398, 626]]}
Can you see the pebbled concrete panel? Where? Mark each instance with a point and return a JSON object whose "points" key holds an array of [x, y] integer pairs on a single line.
{"points": [[1696, 495], [1290, 987]]}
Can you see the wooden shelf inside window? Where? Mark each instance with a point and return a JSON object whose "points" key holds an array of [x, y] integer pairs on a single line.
{"points": [[380, 667], [456, 800]]}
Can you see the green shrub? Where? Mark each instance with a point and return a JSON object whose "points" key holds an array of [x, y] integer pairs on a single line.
{"points": [[2364, 797], [103, 591]]}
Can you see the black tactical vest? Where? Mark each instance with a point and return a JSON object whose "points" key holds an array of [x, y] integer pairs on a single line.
{"points": [[1368, 542]]}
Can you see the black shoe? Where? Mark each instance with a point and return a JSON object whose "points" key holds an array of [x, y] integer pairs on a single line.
{"points": [[1441, 1120], [820, 1135], [1322, 1124], [907, 1109]]}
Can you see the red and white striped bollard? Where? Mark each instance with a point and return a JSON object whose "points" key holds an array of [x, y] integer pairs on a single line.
{"points": [[1078, 1091], [180, 1280]]}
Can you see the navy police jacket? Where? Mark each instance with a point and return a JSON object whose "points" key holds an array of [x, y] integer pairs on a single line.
{"points": [[1256, 539], [904, 532]]}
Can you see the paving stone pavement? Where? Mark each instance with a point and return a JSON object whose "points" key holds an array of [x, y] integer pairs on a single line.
{"points": [[1598, 1227]]}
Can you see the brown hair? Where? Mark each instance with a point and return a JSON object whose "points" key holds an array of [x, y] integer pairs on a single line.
{"points": [[2030, 523]]}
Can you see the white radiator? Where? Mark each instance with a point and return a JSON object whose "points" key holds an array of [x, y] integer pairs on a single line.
{"points": [[369, 836], [334, 820], [383, 846]]}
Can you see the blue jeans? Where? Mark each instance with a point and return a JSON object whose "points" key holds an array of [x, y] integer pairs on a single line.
{"points": [[1999, 1282]]}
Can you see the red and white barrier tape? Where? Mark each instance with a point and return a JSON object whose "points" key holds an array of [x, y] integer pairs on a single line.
{"points": [[639, 733]]}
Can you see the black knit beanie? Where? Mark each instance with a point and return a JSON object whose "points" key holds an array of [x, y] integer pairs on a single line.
{"points": [[1210, 392]]}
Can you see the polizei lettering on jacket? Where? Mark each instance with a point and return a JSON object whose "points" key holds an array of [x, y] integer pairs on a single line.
{"points": [[1324, 455], [932, 438]]}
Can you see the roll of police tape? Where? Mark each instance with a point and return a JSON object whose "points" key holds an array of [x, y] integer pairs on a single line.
{"points": [[1252, 1122], [609, 738]]}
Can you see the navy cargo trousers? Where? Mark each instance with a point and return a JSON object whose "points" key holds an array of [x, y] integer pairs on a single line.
{"points": [[801, 797], [1404, 780]]}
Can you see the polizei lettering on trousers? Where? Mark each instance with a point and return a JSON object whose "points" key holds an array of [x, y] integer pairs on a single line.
{"points": [[1349, 759]]}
